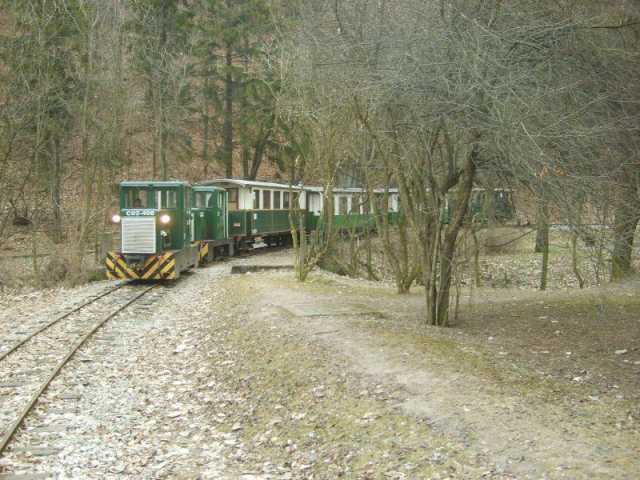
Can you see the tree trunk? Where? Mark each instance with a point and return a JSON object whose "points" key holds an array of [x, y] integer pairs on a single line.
{"points": [[440, 312], [227, 155], [627, 216], [156, 129], [258, 155], [574, 259], [477, 280], [541, 234], [163, 149], [55, 189], [542, 241], [164, 132], [205, 124], [88, 172]]}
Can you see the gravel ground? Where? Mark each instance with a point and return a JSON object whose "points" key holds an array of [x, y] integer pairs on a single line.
{"points": [[134, 402], [257, 377], [21, 312], [335, 378], [27, 368]]}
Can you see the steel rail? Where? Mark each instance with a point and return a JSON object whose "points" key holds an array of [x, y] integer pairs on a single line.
{"points": [[34, 399], [18, 344]]}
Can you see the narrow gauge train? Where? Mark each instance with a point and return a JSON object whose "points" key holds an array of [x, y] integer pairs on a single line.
{"points": [[170, 227]]}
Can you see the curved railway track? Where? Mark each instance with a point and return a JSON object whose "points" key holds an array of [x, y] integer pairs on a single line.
{"points": [[30, 365]]}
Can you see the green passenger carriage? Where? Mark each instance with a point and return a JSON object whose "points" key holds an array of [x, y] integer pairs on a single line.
{"points": [[258, 212]]}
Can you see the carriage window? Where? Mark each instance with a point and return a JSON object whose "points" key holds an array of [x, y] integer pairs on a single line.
{"points": [[343, 205], [266, 199], [233, 199], [204, 200], [378, 200], [295, 200], [285, 200], [355, 204], [136, 198], [276, 200], [187, 199], [256, 199]]}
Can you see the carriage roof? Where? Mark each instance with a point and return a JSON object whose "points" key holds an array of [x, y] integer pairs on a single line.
{"points": [[250, 183], [154, 184]]}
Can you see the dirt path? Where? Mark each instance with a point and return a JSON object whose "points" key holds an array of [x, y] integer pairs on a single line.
{"points": [[503, 422]]}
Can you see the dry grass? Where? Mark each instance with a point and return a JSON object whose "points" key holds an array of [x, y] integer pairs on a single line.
{"points": [[302, 411], [326, 405]]}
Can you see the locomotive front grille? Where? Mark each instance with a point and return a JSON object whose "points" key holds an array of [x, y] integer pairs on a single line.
{"points": [[138, 235]]}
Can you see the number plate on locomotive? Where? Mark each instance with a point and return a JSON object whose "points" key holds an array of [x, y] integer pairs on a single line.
{"points": [[139, 212]]}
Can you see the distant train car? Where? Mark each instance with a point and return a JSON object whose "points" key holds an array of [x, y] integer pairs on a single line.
{"points": [[354, 207], [496, 204], [156, 232], [259, 211]]}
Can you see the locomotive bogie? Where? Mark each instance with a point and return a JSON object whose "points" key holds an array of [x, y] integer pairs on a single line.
{"points": [[165, 266]]}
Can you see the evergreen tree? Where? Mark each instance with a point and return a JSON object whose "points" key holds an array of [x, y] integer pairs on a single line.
{"points": [[237, 81], [162, 31]]}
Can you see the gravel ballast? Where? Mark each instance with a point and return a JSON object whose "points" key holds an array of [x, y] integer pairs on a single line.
{"points": [[134, 402]]}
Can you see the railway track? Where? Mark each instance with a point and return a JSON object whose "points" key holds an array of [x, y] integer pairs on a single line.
{"points": [[29, 365]]}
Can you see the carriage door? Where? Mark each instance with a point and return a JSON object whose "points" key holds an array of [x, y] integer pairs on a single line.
{"points": [[222, 211], [189, 232]]}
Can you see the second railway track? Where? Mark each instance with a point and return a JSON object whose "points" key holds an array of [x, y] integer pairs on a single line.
{"points": [[30, 364]]}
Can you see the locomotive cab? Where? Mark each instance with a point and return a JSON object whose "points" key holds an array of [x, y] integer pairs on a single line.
{"points": [[156, 232]]}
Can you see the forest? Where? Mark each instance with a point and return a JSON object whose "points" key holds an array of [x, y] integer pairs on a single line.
{"points": [[434, 98], [482, 322]]}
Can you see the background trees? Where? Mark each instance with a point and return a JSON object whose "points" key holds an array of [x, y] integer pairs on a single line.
{"points": [[93, 92], [452, 94], [432, 97], [161, 32], [237, 82]]}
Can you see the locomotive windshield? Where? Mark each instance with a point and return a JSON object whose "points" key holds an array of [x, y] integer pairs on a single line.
{"points": [[136, 198], [166, 199], [151, 198]]}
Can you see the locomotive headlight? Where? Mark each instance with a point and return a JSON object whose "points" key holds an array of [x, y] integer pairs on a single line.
{"points": [[116, 218], [165, 219]]}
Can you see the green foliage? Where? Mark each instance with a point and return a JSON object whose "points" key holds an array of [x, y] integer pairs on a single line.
{"points": [[234, 48]]}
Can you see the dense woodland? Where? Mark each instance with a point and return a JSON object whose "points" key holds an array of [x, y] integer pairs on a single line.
{"points": [[432, 97]]}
